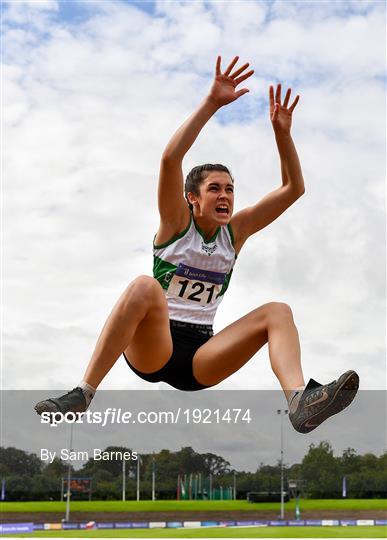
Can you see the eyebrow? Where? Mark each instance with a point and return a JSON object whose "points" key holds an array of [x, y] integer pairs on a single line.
{"points": [[217, 184]]}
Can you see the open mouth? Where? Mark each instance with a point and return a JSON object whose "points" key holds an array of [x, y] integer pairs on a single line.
{"points": [[222, 209]]}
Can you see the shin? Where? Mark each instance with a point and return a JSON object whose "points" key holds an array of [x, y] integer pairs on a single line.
{"points": [[284, 346]]}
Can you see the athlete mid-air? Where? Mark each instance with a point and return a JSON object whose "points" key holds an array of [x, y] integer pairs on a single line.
{"points": [[163, 324]]}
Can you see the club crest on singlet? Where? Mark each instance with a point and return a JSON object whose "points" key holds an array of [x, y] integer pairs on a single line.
{"points": [[209, 249]]}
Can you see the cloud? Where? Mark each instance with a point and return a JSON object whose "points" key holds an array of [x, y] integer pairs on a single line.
{"points": [[91, 101]]}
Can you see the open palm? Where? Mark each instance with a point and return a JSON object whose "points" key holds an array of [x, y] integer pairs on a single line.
{"points": [[281, 114], [223, 89]]}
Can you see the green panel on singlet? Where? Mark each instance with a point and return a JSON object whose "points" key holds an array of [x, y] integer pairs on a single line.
{"points": [[231, 235], [162, 270], [225, 284]]}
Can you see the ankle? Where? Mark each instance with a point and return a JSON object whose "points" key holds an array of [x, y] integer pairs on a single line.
{"points": [[294, 398], [88, 391]]}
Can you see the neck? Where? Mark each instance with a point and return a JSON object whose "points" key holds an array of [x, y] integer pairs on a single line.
{"points": [[207, 229]]}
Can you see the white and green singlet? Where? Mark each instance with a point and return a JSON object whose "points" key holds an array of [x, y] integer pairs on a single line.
{"points": [[195, 273]]}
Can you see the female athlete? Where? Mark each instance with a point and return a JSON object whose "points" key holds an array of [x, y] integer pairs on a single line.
{"points": [[163, 324]]}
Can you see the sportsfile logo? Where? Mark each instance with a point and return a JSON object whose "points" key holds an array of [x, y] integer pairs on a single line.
{"points": [[109, 416]]}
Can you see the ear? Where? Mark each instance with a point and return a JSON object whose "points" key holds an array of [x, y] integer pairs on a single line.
{"points": [[192, 198]]}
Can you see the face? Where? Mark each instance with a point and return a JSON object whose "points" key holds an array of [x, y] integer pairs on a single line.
{"points": [[216, 198]]}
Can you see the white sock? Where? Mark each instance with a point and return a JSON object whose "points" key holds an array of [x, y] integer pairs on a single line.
{"points": [[294, 399], [88, 391]]}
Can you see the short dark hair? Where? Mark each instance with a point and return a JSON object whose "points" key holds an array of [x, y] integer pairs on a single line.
{"points": [[196, 176]]}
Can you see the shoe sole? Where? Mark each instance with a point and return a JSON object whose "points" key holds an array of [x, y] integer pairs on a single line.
{"points": [[46, 406], [344, 395]]}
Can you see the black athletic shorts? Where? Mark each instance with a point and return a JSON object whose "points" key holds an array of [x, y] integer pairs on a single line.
{"points": [[186, 339]]}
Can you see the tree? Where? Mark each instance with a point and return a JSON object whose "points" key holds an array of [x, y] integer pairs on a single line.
{"points": [[215, 465], [19, 463], [321, 471], [189, 460], [369, 478], [104, 485], [113, 466], [18, 488], [349, 461], [56, 469], [45, 487]]}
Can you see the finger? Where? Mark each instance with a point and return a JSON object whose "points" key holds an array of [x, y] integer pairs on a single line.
{"points": [[271, 97], [218, 68], [287, 97], [275, 112], [239, 71], [278, 94], [228, 70], [293, 105], [241, 92], [244, 77]]}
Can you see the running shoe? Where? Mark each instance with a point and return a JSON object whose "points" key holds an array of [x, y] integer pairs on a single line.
{"points": [[73, 401], [318, 402]]}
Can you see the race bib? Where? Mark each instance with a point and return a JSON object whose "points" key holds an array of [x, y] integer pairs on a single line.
{"points": [[196, 285]]}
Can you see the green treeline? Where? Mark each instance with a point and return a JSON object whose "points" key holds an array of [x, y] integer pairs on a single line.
{"points": [[319, 475]]}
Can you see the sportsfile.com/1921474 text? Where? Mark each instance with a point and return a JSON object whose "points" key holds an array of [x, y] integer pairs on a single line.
{"points": [[113, 415]]}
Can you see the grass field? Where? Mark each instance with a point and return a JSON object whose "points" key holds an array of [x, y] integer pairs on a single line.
{"points": [[175, 506], [239, 532]]}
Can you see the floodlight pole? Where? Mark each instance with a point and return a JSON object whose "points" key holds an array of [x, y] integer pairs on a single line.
{"points": [[123, 479], [69, 476], [282, 413], [138, 477], [153, 479], [234, 488]]}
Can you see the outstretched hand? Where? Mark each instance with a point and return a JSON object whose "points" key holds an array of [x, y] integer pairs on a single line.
{"points": [[223, 89], [281, 115]]}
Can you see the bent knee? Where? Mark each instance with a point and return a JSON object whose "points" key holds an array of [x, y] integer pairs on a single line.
{"points": [[145, 283], [144, 289], [278, 312]]}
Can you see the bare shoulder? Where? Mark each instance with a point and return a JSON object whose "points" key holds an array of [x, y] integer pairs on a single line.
{"points": [[237, 232]]}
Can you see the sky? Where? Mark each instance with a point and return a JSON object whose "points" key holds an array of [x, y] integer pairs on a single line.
{"points": [[91, 93]]}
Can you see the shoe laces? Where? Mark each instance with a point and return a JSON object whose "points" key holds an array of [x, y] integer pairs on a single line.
{"points": [[315, 394], [73, 390]]}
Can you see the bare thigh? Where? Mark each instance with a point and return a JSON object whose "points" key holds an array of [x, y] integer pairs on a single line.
{"points": [[151, 346], [226, 352]]}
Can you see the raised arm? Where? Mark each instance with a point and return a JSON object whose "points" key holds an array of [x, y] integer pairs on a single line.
{"points": [[173, 208], [250, 220]]}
